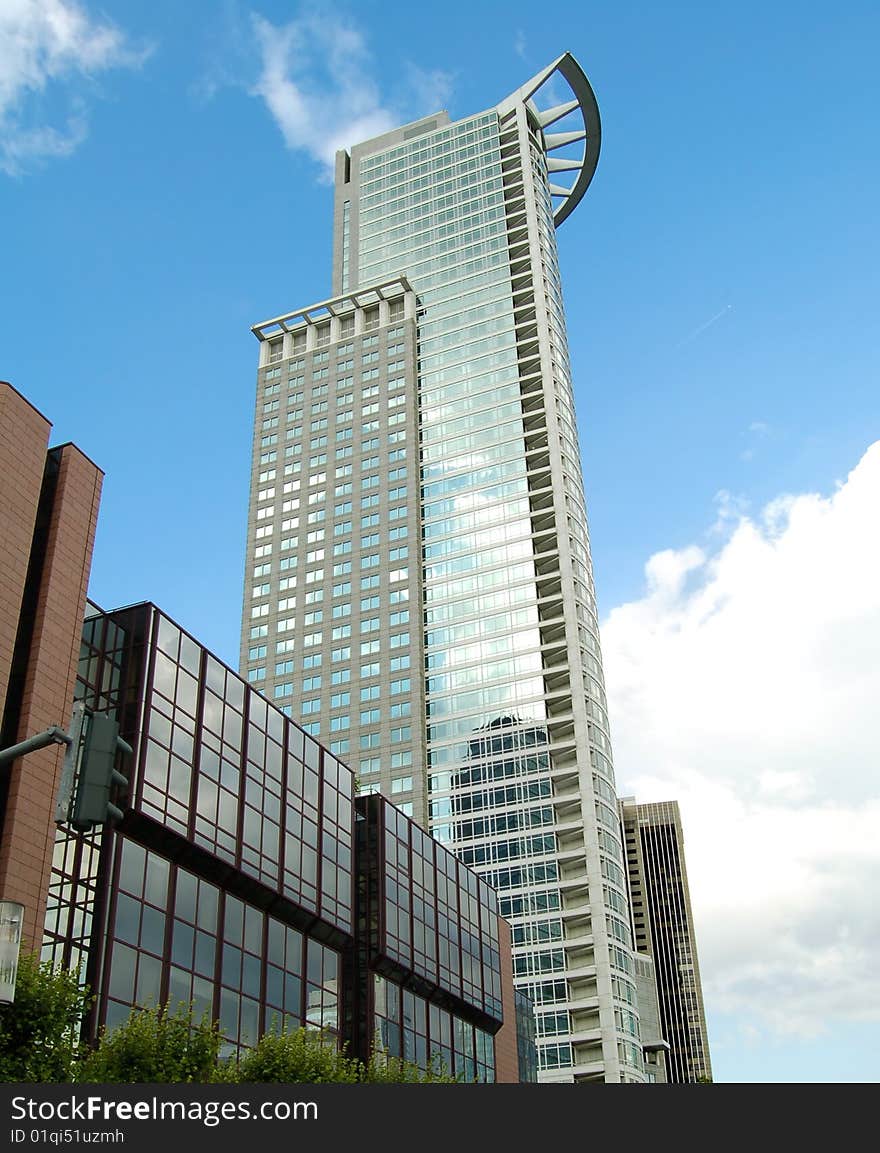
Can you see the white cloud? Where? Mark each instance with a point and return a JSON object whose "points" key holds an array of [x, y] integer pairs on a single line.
{"points": [[317, 82], [47, 43], [731, 508], [429, 88], [745, 684], [757, 431]]}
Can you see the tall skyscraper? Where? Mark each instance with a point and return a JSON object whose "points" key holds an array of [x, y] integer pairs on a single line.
{"points": [[419, 589], [663, 923]]}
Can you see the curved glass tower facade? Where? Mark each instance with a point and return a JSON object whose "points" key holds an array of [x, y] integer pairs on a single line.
{"points": [[508, 753]]}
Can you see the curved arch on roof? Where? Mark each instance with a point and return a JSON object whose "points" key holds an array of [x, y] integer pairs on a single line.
{"points": [[584, 101]]}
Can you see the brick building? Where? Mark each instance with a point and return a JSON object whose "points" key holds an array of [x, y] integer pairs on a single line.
{"points": [[48, 514]]}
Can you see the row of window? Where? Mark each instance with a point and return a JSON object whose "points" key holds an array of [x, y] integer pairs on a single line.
{"points": [[372, 740], [318, 515], [270, 455], [368, 339]]}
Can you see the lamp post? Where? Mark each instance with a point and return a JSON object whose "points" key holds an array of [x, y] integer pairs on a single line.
{"points": [[11, 921]]}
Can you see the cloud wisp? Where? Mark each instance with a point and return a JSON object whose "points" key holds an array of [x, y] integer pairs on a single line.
{"points": [[757, 431], [317, 81], [700, 329], [744, 684], [50, 46]]}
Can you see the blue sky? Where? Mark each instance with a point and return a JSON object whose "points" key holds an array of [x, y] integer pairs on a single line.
{"points": [[163, 186]]}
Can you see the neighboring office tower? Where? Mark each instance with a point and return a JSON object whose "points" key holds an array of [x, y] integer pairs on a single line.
{"points": [[419, 589], [664, 930]]}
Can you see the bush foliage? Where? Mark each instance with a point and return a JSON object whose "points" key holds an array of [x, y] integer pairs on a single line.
{"points": [[39, 1041], [306, 1056], [154, 1045]]}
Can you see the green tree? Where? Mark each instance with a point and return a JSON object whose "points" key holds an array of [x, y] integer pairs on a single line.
{"points": [[39, 1031], [155, 1045]]}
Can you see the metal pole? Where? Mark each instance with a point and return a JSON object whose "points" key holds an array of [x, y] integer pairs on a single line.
{"points": [[51, 736]]}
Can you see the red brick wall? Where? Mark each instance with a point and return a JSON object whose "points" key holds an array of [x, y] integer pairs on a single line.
{"points": [[506, 1059], [24, 434], [29, 828]]}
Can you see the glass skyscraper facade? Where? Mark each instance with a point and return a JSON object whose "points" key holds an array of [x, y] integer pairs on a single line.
{"points": [[419, 585]]}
